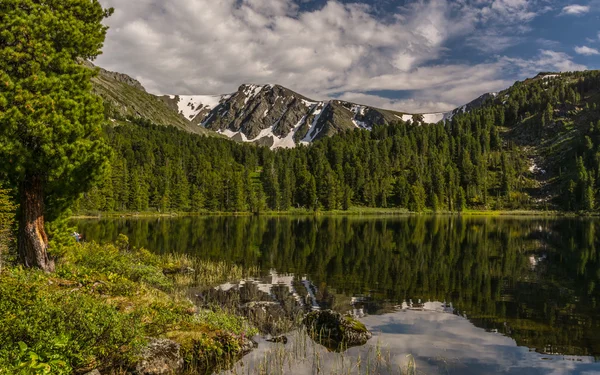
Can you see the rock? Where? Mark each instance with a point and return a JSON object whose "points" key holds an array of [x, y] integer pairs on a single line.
{"points": [[268, 317], [246, 346], [279, 339], [335, 331], [93, 372], [160, 357]]}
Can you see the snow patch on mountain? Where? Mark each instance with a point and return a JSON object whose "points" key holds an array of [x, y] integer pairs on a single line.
{"points": [[433, 118], [190, 105], [361, 124], [359, 109], [288, 140], [230, 134], [308, 103], [251, 91], [312, 130]]}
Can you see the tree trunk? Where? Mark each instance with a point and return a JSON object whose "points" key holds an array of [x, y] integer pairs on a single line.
{"points": [[33, 241]]}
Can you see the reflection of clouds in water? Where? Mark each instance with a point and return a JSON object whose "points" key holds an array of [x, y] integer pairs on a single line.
{"points": [[436, 339], [441, 343]]}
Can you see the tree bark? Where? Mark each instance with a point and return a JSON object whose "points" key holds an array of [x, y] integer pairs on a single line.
{"points": [[33, 241]]}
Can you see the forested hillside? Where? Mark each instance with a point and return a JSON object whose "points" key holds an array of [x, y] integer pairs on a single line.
{"points": [[533, 146]]}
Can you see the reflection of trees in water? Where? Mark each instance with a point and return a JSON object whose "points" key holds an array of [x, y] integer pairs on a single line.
{"points": [[534, 279]]}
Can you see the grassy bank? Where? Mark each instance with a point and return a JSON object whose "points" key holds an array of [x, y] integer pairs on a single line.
{"points": [[354, 211], [104, 304]]}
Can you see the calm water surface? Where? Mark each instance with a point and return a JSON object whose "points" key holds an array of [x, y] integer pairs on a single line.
{"points": [[477, 295]]}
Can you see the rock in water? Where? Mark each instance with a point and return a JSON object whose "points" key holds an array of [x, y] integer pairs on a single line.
{"points": [[279, 339], [160, 357], [335, 331]]}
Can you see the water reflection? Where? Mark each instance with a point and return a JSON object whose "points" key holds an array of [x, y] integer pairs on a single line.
{"points": [[531, 280]]}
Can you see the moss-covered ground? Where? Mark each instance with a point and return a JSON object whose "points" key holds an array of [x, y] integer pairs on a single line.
{"points": [[103, 304]]}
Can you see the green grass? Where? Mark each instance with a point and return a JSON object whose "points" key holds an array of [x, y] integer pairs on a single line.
{"points": [[101, 306], [353, 211]]}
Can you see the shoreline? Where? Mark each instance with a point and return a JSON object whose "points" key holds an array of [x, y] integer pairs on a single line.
{"points": [[354, 213]]}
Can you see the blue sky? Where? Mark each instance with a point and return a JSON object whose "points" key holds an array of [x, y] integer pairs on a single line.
{"points": [[412, 56]]}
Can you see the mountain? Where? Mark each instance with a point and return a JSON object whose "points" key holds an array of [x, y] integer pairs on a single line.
{"points": [[535, 145], [277, 117], [268, 115], [125, 97]]}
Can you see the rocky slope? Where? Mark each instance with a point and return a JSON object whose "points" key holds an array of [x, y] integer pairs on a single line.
{"points": [[269, 115], [124, 96], [277, 117], [274, 116]]}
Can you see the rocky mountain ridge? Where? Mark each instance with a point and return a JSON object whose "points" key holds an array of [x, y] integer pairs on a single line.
{"points": [[269, 115], [277, 117]]}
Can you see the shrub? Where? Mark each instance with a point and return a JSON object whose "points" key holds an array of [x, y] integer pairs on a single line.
{"points": [[60, 329]]}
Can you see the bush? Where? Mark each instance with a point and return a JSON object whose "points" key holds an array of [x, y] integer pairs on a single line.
{"points": [[44, 324], [98, 310]]}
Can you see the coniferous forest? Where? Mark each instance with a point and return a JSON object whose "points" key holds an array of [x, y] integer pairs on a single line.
{"points": [[480, 160]]}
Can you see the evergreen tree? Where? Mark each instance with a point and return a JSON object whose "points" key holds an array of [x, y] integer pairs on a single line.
{"points": [[49, 119]]}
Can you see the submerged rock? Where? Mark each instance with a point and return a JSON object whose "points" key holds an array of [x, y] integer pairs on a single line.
{"points": [[211, 352], [160, 357], [246, 346], [268, 317], [336, 331], [279, 339]]}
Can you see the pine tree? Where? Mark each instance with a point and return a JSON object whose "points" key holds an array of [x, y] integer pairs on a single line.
{"points": [[49, 119], [462, 200]]}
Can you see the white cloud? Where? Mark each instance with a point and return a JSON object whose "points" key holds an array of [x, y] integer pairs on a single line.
{"points": [[437, 342], [546, 61], [492, 42], [211, 47], [587, 51], [575, 9], [521, 9]]}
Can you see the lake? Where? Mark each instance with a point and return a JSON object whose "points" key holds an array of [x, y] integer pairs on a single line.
{"points": [[458, 295]]}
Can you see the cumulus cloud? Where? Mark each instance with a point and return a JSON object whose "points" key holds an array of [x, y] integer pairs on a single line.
{"points": [[545, 61], [587, 51], [575, 9], [211, 47]]}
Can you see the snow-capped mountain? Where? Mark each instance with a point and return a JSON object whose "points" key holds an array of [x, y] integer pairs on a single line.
{"points": [[196, 107], [277, 117], [270, 115]]}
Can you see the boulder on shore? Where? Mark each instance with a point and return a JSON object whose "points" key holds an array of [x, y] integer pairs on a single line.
{"points": [[160, 357], [336, 331]]}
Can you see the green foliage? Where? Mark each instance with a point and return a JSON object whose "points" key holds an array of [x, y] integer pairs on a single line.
{"points": [[219, 319], [32, 363], [59, 230], [50, 328], [49, 119], [100, 307], [162, 169], [7, 213], [122, 268]]}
